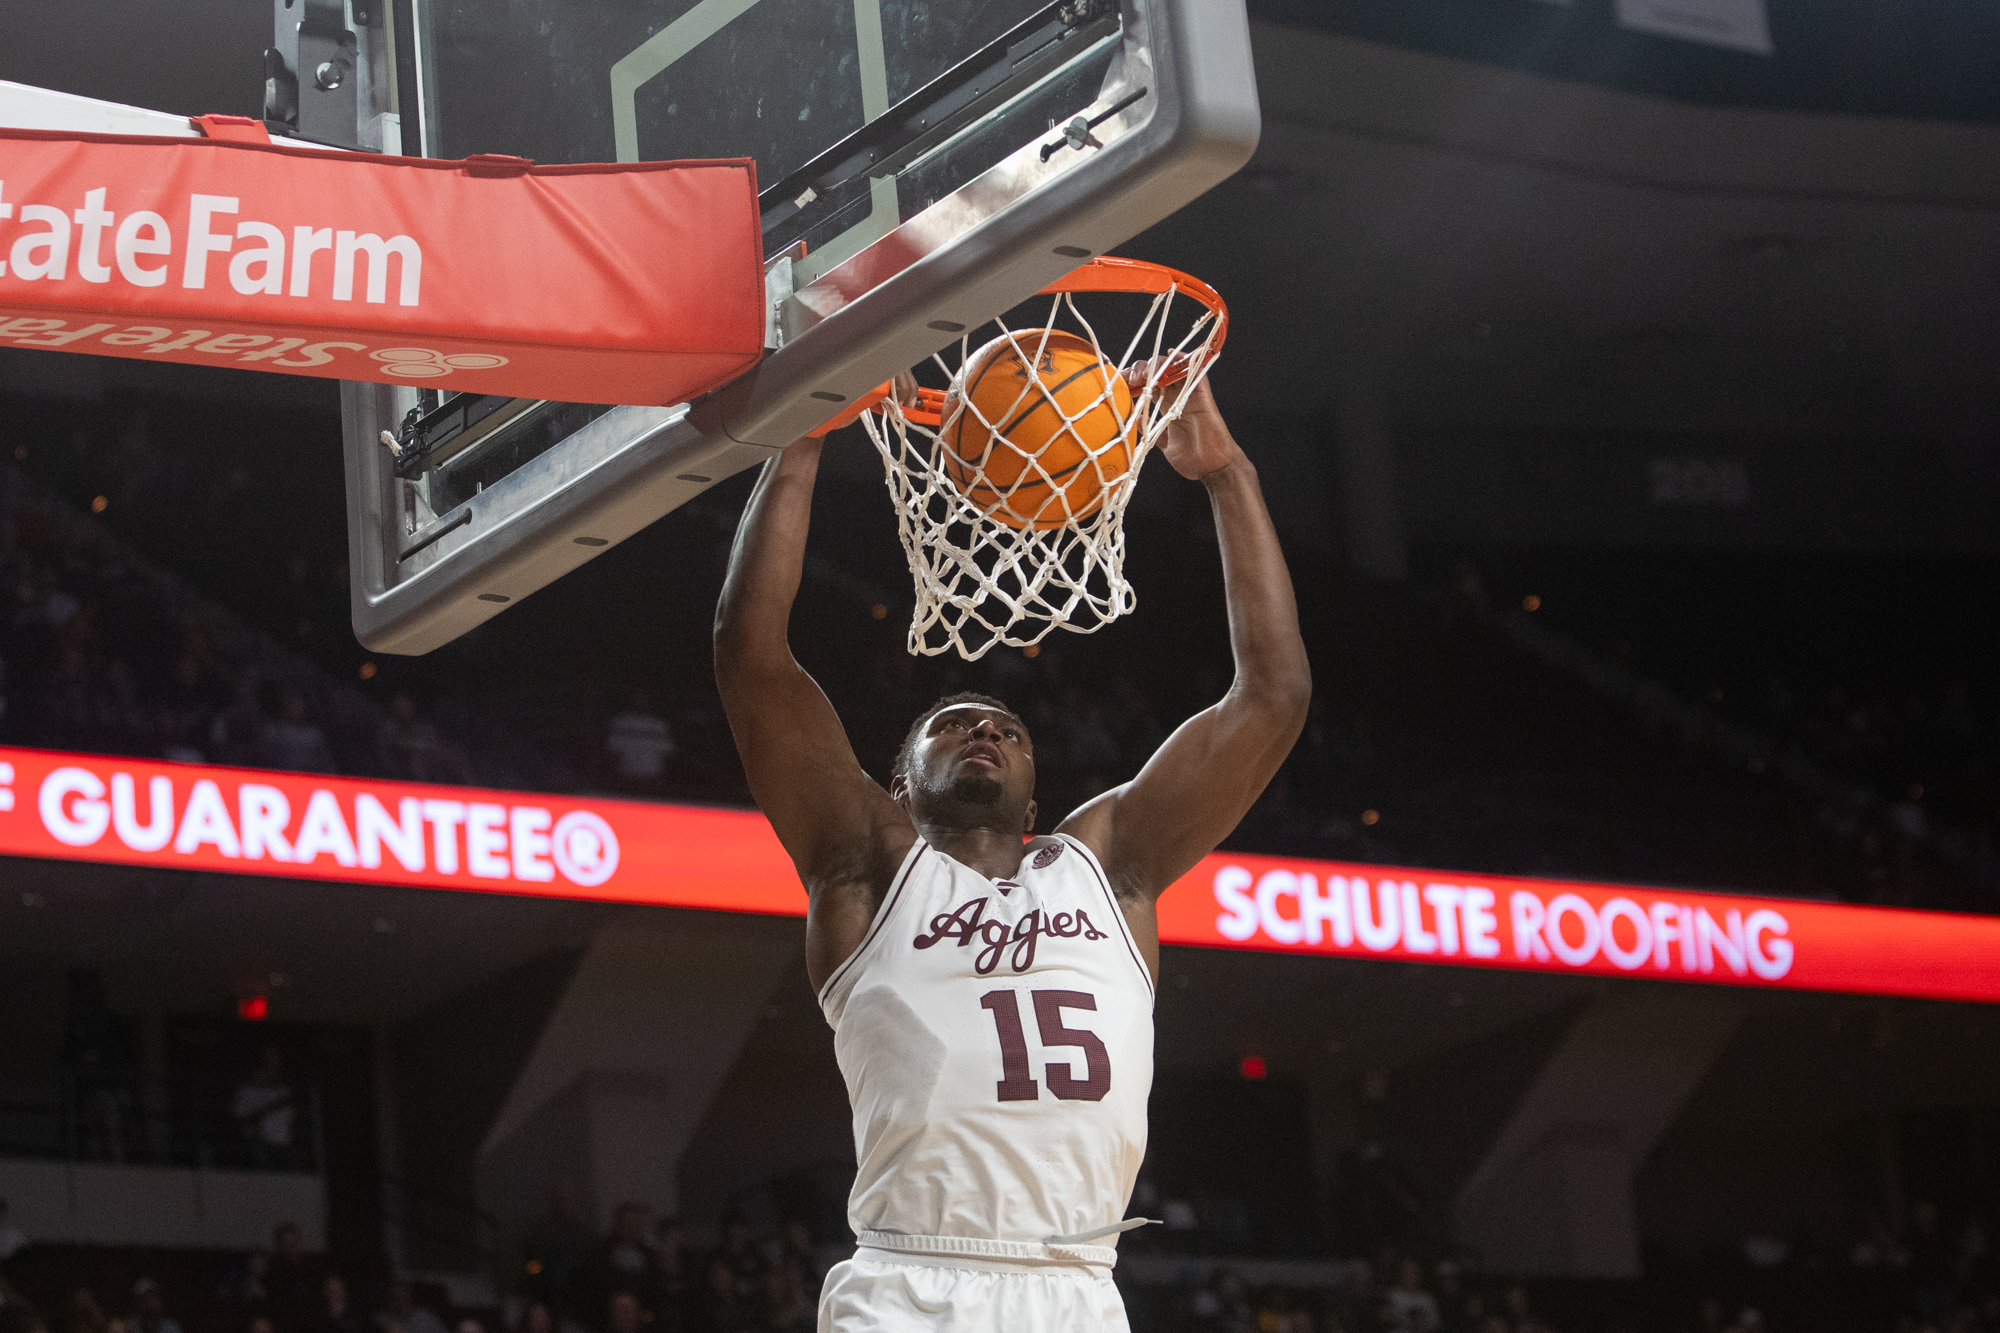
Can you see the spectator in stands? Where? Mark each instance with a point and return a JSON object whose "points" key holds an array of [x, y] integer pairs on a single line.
{"points": [[624, 1314], [294, 1281], [407, 746], [236, 736], [20, 1317], [625, 1261], [84, 1314], [266, 1110], [12, 1241], [1932, 1264], [741, 1256], [787, 1308], [336, 1313], [726, 1310], [557, 1253], [640, 743], [798, 1250], [1092, 747], [1359, 1299], [247, 1290], [1281, 1311], [149, 1309], [1878, 1246], [402, 1311], [1221, 1303], [675, 1292], [536, 1317], [1411, 1308], [1134, 722], [293, 741], [1523, 1318], [196, 684], [1453, 1315], [97, 1050]]}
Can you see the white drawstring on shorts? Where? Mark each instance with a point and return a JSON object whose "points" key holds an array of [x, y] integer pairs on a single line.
{"points": [[1085, 1237]]}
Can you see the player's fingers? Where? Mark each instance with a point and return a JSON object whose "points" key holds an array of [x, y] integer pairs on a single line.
{"points": [[1157, 370], [906, 388]]}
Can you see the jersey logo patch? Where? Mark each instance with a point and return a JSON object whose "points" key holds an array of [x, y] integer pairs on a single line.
{"points": [[1047, 856], [969, 922]]}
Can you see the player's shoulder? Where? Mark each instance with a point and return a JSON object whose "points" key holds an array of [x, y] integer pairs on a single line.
{"points": [[1091, 827]]}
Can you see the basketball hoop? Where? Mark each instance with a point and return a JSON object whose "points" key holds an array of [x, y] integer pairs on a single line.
{"points": [[1008, 541]]}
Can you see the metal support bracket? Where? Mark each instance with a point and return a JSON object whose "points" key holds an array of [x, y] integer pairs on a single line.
{"points": [[319, 74]]}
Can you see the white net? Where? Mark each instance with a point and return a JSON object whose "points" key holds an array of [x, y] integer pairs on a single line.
{"points": [[1011, 507]]}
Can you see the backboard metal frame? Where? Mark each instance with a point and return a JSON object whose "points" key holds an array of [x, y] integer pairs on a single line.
{"points": [[1177, 113]]}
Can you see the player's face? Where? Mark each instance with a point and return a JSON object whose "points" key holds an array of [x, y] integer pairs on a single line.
{"points": [[978, 755]]}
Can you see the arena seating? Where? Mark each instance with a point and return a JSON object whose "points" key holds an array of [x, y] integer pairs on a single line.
{"points": [[726, 1275]]}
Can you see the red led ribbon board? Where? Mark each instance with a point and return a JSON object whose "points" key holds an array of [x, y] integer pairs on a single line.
{"points": [[1291, 905], [624, 283], [133, 812]]}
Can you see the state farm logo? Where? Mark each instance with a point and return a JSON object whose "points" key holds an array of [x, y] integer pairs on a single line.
{"points": [[40, 245], [421, 363], [239, 348]]}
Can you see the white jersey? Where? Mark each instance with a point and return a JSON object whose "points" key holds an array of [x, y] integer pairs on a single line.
{"points": [[997, 1040]]}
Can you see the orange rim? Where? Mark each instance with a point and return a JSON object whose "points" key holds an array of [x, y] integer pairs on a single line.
{"points": [[1106, 273]]}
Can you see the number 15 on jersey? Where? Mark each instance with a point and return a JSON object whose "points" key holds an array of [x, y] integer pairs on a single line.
{"points": [[1017, 1079]]}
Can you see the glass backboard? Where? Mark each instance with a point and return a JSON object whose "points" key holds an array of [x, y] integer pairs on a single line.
{"points": [[923, 166]]}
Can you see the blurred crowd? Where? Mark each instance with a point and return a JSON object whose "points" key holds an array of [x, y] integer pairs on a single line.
{"points": [[1923, 1277], [651, 1274], [104, 653], [1385, 1295], [283, 1289], [1867, 767], [647, 1275], [1469, 735]]}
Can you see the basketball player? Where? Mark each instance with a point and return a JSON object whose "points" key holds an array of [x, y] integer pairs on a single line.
{"points": [[991, 993]]}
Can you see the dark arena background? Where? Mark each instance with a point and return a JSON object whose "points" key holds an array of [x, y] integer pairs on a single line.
{"points": [[1625, 382]]}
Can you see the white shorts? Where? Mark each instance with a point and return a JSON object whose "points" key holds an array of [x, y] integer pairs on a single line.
{"points": [[880, 1292]]}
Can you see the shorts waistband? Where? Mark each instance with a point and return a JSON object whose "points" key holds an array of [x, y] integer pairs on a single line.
{"points": [[977, 1252]]}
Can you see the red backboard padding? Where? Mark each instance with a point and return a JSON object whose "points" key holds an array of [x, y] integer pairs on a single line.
{"points": [[618, 283]]}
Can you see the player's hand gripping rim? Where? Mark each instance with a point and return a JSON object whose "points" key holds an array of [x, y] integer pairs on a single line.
{"points": [[1198, 444]]}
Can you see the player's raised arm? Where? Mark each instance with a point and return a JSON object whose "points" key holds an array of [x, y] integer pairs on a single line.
{"points": [[1200, 784], [830, 815]]}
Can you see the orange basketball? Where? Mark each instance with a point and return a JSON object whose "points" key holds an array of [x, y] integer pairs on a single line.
{"points": [[1036, 449]]}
